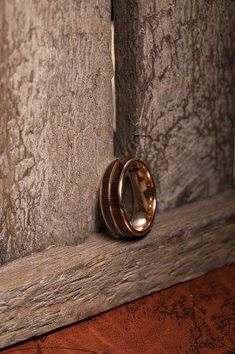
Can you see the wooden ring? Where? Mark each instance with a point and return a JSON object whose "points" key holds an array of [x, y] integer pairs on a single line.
{"points": [[128, 198]]}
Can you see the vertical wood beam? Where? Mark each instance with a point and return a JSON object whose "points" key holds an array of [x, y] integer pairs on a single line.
{"points": [[55, 120], [175, 78]]}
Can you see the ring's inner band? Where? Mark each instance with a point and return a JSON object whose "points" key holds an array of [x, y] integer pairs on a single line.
{"points": [[138, 196]]}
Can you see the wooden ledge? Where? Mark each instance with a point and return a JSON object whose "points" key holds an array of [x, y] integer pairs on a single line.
{"points": [[63, 285]]}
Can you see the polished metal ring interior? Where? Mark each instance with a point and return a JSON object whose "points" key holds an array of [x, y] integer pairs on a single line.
{"points": [[128, 198]]}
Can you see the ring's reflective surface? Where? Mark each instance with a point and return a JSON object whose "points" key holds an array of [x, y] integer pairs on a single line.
{"points": [[128, 198]]}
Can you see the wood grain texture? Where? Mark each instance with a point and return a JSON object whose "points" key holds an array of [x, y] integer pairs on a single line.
{"points": [[195, 317], [175, 93], [62, 285], [55, 120]]}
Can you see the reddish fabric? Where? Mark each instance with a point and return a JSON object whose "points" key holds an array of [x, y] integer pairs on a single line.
{"points": [[195, 317]]}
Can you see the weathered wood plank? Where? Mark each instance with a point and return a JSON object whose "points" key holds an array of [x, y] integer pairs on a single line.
{"points": [[62, 285], [55, 120], [175, 93]]}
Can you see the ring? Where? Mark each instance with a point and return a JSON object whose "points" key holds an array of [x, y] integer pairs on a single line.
{"points": [[128, 198]]}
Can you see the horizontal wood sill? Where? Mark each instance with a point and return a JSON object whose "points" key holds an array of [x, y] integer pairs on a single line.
{"points": [[63, 285]]}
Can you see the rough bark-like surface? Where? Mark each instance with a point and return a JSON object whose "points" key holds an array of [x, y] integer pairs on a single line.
{"points": [[55, 120], [175, 93], [65, 284], [196, 317]]}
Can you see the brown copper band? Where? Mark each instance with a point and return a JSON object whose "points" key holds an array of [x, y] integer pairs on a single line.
{"points": [[112, 207]]}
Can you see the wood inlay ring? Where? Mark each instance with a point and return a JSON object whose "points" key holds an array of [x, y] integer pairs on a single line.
{"points": [[128, 197]]}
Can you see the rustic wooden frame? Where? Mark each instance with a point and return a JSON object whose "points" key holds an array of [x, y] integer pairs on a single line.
{"points": [[62, 285]]}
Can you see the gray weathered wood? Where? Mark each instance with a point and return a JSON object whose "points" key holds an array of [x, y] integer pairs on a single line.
{"points": [[175, 93], [55, 120], [62, 285]]}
